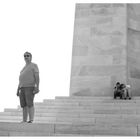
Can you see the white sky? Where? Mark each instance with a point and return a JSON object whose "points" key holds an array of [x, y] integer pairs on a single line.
{"points": [[44, 28]]}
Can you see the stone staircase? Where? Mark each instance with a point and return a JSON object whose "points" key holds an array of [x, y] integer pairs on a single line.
{"points": [[76, 116]]}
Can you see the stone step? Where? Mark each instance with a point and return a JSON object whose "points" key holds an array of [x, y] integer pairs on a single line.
{"points": [[38, 121], [46, 114], [60, 103], [95, 130], [76, 101], [81, 116], [91, 97], [88, 115], [73, 103], [85, 110], [86, 103], [124, 120], [114, 124], [82, 98], [24, 129], [89, 105], [20, 118], [19, 134], [79, 108], [73, 115], [91, 110], [100, 119], [86, 106], [126, 106], [119, 121]]}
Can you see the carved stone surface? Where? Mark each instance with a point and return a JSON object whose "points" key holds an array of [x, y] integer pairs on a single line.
{"points": [[134, 47], [99, 49], [106, 46]]}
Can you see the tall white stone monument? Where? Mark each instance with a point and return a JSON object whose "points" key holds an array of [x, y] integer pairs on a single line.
{"points": [[106, 48]]}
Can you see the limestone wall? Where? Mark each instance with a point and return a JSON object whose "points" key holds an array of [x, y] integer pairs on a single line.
{"points": [[99, 49], [134, 47]]}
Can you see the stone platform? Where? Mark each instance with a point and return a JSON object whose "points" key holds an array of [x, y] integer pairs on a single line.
{"points": [[76, 116]]}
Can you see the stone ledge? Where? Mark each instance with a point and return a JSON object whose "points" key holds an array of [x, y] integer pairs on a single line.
{"points": [[24, 129], [96, 130]]}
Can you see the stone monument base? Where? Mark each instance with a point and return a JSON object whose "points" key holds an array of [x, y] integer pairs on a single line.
{"points": [[76, 116]]}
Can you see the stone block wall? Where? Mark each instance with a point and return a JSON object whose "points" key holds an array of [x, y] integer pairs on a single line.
{"points": [[133, 52], [99, 49]]}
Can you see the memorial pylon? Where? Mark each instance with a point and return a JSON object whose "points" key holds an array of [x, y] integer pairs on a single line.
{"points": [[106, 38]]}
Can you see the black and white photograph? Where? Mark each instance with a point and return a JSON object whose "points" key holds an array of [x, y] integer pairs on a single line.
{"points": [[69, 68]]}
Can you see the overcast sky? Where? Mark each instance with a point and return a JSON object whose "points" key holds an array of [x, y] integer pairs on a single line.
{"points": [[44, 28]]}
